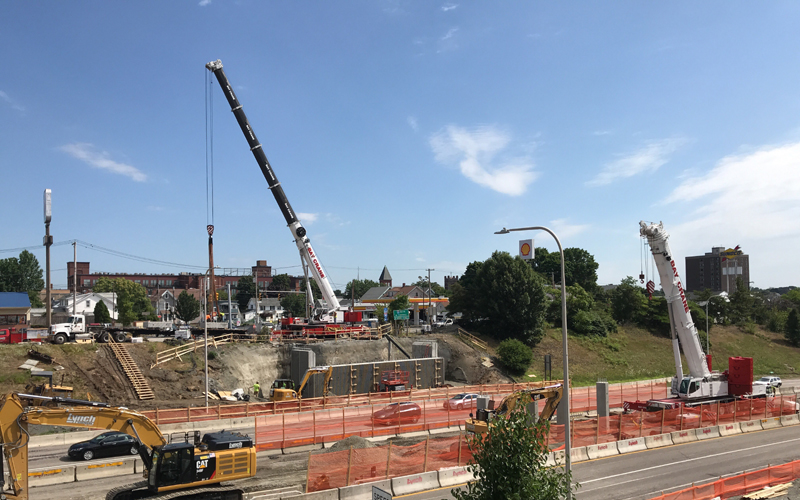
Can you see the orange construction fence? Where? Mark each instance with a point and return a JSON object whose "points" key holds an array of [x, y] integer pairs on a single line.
{"points": [[336, 469], [740, 484], [286, 430]]}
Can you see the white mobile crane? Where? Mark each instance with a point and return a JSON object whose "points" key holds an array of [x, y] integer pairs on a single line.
{"points": [[701, 384], [334, 312]]}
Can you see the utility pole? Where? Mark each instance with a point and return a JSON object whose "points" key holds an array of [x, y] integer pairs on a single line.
{"points": [[430, 289], [48, 240], [230, 310], [74, 276]]}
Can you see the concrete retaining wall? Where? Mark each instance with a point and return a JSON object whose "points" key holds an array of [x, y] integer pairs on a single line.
{"points": [[363, 491], [415, 483], [602, 450], [658, 441], [106, 469], [687, 436], [707, 432], [51, 475], [729, 429], [631, 445], [788, 420], [455, 475], [770, 423], [749, 426]]}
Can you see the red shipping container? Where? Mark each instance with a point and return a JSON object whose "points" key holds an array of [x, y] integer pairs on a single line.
{"points": [[740, 372], [352, 317]]}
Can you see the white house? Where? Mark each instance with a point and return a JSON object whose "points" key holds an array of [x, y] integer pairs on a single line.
{"points": [[270, 309], [86, 303]]}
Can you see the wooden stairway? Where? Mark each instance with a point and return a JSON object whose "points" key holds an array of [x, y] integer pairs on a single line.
{"points": [[131, 369]]}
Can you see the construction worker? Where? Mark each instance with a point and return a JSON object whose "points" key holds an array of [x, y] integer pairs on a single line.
{"points": [[257, 390]]}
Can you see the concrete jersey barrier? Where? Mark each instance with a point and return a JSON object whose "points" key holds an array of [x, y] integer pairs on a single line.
{"points": [[631, 445], [658, 441], [770, 423], [729, 429], [602, 450], [51, 475], [415, 483], [687, 436], [749, 426], [707, 432], [317, 495], [788, 420], [363, 491], [578, 455], [106, 469], [455, 475]]}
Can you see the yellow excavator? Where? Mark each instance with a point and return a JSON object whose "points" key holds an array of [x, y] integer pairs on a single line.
{"points": [[481, 422], [285, 388], [172, 470]]}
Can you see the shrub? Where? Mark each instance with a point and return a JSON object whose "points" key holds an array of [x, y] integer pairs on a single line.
{"points": [[776, 320], [589, 323], [515, 355]]}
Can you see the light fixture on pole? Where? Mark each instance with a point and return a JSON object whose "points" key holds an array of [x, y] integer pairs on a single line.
{"points": [[565, 396]]}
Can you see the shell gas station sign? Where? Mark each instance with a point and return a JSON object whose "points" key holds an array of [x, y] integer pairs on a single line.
{"points": [[526, 249]]}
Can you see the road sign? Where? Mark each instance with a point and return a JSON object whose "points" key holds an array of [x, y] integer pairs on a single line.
{"points": [[400, 315], [379, 494]]}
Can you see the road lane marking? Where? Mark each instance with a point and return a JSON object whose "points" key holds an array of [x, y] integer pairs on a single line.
{"points": [[687, 461]]}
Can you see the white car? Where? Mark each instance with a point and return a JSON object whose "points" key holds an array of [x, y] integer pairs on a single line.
{"points": [[440, 324], [770, 381]]}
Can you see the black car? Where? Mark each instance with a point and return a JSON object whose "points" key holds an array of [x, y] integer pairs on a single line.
{"points": [[107, 444]]}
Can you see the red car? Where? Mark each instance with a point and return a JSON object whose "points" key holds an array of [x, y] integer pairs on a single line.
{"points": [[398, 413]]}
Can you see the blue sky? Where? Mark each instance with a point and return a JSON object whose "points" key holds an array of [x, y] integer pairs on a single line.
{"points": [[404, 133]]}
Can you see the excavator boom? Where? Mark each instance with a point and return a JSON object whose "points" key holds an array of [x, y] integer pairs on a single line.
{"points": [[481, 423]]}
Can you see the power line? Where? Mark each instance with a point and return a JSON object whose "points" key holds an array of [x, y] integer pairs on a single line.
{"points": [[35, 247]]}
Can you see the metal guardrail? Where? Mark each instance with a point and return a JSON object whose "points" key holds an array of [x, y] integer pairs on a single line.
{"points": [[472, 339]]}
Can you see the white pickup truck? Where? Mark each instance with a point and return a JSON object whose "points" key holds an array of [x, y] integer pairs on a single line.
{"points": [[443, 323]]}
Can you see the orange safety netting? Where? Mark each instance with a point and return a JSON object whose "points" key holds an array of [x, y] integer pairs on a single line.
{"points": [[740, 484], [356, 466]]}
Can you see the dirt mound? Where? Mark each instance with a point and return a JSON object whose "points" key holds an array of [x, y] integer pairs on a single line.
{"points": [[355, 442]]}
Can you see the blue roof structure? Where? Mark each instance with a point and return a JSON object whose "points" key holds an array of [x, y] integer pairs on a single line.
{"points": [[14, 299]]}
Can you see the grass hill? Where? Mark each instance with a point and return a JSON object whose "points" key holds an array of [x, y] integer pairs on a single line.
{"points": [[636, 354]]}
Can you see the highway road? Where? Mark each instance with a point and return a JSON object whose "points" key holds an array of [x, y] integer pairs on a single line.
{"points": [[634, 476]]}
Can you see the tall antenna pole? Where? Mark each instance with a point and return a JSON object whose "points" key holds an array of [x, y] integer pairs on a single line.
{"points": [[75, 277]]}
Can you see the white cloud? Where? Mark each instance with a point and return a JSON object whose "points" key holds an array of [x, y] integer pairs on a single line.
{"points": [[449, 6], [101, 159], [565, 230], [647, 159], [448, 41], [203, 3], [474, 151], [11, 102], [307, 218], [412, 122], [602, 132], [750, 199]]}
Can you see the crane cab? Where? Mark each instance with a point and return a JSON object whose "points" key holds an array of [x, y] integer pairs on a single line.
{"points": [[696, 387], [221, 456]]}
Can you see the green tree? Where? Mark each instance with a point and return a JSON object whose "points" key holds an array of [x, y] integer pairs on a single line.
{"points": [[187, 308], [465, 294], [360, 287], [315, 292], [294, 304], [101, 314], [741, 306], [793, 296], [511, 459], [132, 301], [245, 290], [792, 329], [515, 356], [578, 299], [281, 282], [627, 301], [22, 274], [437, 289], [579, 266], [504, 298]]}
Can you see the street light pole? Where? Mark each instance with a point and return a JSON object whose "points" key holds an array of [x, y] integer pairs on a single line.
{"points": [[565, 397]]}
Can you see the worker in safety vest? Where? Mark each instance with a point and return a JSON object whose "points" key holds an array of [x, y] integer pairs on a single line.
{"points": [[257, 390]]}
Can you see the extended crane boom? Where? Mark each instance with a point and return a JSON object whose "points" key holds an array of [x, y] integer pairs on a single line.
{"points": [[298, 231]]}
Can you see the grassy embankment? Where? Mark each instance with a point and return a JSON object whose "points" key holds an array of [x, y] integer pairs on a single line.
{"points": [[635, 354]]}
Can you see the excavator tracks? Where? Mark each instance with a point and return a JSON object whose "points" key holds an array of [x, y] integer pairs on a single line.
{"points": [[132, 371], [139, 491]]}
